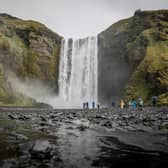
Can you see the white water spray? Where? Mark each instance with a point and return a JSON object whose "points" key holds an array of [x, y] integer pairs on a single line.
{"points": [[78, 71]]}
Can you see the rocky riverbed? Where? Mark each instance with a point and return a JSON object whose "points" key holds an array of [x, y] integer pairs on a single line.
{"points": [[75, 138]]}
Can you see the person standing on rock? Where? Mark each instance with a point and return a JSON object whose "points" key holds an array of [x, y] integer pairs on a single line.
{"points": [[84, 105], [93, 104], [87, 105], [122, 103], [134, 104], [154, 100], [140, 102], [129, 103], [113, 104], [98, 106]]}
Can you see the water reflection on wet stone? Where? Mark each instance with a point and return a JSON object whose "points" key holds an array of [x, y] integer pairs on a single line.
{"points": [[83, 139], [78, 148], [116, 154]]}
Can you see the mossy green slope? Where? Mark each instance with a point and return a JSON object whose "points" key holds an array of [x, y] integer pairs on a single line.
{"points": [[140, 44], [28, 49]]}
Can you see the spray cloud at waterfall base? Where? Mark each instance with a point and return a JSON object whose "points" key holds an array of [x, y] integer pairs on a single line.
{"points": [[37, 90]]}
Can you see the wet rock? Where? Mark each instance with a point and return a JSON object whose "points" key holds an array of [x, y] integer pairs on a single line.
{"points": [[13, 117], [43, 119], [23, 118], [108, 124], [99, 116], [53, 116], [114, 124], [82, 127], [81, 124], [74, 134], [125, 117], [42, 149], [130, 128], [24, 149], [8, 164], [43, 124], [16, 136], [164, 125]]}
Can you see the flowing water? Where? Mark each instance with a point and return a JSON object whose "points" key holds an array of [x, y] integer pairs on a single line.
{"points": [[78, 71]]}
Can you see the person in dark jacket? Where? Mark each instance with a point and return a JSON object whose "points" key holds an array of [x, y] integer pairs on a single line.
{"points": [[154, 100], [93, 104]]}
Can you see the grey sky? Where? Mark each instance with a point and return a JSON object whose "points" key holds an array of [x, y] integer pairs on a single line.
{"points": [[77, 18]]}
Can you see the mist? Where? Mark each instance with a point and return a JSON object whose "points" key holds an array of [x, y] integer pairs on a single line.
{"points": [[39, 91]]}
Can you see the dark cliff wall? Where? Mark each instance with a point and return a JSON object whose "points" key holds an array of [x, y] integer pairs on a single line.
{"points": [[114, 70], [133, 57]]}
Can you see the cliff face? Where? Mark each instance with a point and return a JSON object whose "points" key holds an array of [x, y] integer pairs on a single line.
{"points": [[29, 50], [133, 58]]}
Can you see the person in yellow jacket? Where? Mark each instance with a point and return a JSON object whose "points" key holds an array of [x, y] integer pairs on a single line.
{"points": [[122, 103]]}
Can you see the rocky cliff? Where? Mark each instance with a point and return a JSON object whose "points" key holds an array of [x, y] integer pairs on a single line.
{"points": [[133, 58], [29, 50]]}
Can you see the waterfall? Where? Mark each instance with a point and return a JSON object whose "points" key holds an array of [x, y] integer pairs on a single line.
{"points": [[78, 71]]}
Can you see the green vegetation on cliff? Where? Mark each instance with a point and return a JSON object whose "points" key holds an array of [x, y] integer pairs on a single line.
{"points": [[139, 48], [31, 51]]}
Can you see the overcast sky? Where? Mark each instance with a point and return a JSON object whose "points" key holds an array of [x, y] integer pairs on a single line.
{"points": [[77, 18]]}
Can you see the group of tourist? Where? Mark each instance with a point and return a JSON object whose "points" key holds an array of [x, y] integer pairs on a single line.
{"points": [[139, 103], [86, 105], [135, 103], [132, 103]]}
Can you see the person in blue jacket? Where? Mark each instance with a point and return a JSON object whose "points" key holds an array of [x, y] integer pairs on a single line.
{"points": [[134, 104]]}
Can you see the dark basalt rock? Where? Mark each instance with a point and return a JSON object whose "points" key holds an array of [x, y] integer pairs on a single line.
{"points": [[16, 136], [13, 117], [41, 150]]}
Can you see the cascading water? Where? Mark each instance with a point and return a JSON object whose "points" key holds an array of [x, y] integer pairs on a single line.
{"points": [[78, 71]]}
